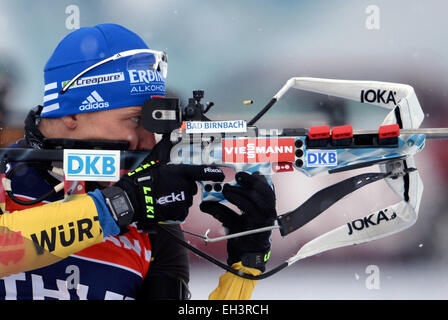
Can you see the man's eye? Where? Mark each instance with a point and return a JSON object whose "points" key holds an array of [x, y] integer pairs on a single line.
{"points": [[135, 119]]}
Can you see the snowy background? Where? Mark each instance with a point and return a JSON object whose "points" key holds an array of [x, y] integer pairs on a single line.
{"points": [[239, 50]]}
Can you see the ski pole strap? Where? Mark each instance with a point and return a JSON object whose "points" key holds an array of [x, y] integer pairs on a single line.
{"points": [[323, 199]]}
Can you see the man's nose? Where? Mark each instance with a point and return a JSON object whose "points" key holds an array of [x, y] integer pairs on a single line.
{"points": [[146, 139]]}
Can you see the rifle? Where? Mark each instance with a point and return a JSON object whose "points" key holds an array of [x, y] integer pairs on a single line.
{"points": [[317, 150]]}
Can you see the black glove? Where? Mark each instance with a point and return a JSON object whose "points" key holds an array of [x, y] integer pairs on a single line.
{"points": [[256, 199], [164, 192]]}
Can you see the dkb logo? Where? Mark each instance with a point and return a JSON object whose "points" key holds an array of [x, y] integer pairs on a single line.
{"points": [[322, 158], [91, 165]]}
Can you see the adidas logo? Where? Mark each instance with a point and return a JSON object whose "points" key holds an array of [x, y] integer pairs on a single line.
{"points": [[93, 101]]}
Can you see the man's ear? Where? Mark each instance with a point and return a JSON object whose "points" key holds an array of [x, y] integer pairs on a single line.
{"points": [[70, 122]]}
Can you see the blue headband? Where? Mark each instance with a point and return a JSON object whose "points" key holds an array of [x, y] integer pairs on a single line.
{"points": [[119, 83]]}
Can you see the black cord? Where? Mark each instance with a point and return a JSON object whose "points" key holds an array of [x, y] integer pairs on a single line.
{"points": [[262, 112], [223, 265], [11, 173]]}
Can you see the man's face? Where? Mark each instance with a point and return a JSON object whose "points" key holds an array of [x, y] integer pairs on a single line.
{"points": [[115, 124]]}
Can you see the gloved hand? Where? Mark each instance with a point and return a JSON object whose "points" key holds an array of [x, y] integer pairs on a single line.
{"points": [[256, 199], [164, 192]]}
